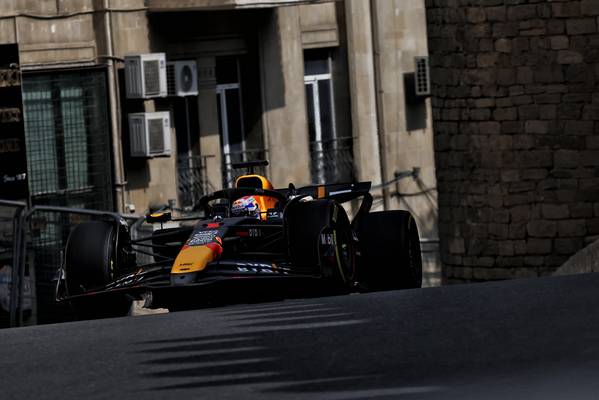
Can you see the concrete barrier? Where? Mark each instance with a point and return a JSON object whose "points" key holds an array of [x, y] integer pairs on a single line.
{"points": [[586, 260]]}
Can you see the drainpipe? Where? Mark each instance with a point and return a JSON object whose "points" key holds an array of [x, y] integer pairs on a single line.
{"points": [[376, 54], [114, 105]]}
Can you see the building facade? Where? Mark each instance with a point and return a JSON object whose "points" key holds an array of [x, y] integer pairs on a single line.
{"points": [[322, 89], [515, 105]]}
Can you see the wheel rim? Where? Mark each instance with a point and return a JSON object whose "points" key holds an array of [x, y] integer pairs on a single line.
{"points": [[344, 254]]}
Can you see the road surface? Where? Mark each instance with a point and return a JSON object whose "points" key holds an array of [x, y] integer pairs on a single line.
{"points": [[526, 339]]}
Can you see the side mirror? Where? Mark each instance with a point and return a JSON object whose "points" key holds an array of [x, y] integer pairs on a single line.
{"points": [[158, 217]]}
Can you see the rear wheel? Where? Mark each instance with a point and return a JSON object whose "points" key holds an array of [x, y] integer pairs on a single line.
{"points": [[390, 251], [319, 234], [91, 263]]}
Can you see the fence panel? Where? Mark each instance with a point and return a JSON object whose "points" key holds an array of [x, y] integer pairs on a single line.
{"points": [[32, 243], [47, 231], [47, 234], [15, 289]]}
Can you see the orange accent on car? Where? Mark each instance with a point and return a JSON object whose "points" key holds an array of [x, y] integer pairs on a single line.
{"points": [[258, 182], [321, 192], [195, 258], [216, 248]]}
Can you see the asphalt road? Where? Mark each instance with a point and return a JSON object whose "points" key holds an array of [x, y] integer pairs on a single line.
{"points": [[527, 339]]}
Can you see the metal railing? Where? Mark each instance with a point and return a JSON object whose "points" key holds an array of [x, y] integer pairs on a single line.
{"points": [[12, 276], [32, 241], [332, 160], [229, 174], [47, 231], [192, 179]]}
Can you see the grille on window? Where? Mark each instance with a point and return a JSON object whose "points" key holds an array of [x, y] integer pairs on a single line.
{"points": [[152, 77], [332, 161], [156, 130], [423, 83]]}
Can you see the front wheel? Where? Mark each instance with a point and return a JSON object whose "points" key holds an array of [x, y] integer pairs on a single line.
{"points": [[91, 262], [390, 251]]}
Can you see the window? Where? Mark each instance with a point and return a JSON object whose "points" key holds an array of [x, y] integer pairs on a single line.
{"points": [[191, 167], [230, 115], [331, 154]]}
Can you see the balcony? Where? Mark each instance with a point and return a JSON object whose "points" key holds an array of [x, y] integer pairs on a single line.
{"points": [[192, 179], [199, 5], [332, 161]]}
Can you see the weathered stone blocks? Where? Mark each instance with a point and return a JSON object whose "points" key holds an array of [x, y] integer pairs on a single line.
{"points": [[560, 42], [589, 7], [541, 228], [521, 12], [516, 120], [581, 26], [569, 57], [566, 9], [571, 228], [555, 211], [538, 246]]}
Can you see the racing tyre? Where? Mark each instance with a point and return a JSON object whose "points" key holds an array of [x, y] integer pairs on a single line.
{"points": [[390, 251], [319, 234], [90, 263]]}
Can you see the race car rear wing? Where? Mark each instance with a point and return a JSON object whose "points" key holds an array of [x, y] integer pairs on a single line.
{"points": [[340, 192]]}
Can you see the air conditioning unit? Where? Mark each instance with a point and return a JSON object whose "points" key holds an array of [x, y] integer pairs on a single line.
{"points": [[145, 76], [422, 76], [150, 134], [182, 78]]}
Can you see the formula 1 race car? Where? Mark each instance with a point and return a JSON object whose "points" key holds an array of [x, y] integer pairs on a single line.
{"points": [[251, 239]]}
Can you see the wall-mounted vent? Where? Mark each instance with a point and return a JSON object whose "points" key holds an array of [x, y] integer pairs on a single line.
{"points": [[422, 82], [145, 76], [182, 78], [150, 134]]}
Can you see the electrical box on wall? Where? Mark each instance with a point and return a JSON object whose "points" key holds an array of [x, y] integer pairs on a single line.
{"points": [[182, 78], [150, 134], [145, 76], [422, 82]]}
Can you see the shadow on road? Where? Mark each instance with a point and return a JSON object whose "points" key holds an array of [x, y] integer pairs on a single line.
{"points": [[385, 345], [260, 353]]}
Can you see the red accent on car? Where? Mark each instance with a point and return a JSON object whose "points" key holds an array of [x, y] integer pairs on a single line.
{"points": [[216, 248]]}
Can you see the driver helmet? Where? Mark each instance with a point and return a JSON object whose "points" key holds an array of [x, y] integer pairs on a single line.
{"points": [[246, 206]]}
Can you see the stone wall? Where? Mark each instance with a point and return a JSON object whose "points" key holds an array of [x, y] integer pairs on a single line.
{"points": [[516, 119]]}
